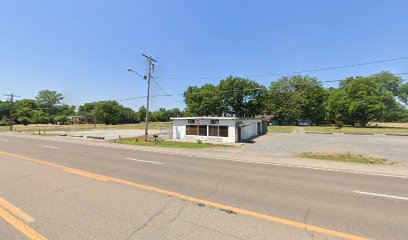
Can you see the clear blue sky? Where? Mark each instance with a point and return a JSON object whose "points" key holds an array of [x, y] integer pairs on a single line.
{"points": [[82, 48]]}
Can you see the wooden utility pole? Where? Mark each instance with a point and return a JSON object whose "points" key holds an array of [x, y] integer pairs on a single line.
{"points": [[150, 61], [11, 120]]}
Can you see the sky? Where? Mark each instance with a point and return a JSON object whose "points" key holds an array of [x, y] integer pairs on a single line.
{"points": [[83, 48]]}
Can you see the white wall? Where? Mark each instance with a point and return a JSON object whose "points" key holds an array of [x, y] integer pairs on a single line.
{"points": [[249, 131], [179, 130]]}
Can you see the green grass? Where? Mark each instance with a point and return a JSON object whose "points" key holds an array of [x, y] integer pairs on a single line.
{"points": [[84, 127], [281, 129], [361, 130], [170, 144], [343, 157]]}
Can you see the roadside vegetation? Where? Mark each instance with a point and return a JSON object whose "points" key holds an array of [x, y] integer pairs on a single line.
{"points": [[281, 129], [171, 144], [344, 157], [85, 127], [359, 130], [381, 97]]}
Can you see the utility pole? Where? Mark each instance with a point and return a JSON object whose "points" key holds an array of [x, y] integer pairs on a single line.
{"points": [[11, 109], [150, 61]]}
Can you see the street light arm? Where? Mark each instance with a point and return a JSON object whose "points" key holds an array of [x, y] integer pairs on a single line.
{"points": [[131, 70]]}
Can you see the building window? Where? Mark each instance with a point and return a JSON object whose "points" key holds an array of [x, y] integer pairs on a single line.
{"points": [[213, 131], [202, 130], [191, 121], [223, 131], [214, 121], [191, 130]]}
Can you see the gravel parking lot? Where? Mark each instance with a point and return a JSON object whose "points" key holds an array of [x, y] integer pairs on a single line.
{"points": [[283, 144], [107, 134]]}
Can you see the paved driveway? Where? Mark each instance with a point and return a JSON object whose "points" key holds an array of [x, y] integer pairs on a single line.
{"points": [[284, 144]]}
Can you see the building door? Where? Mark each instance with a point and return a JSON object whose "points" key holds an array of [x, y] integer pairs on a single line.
{"points": [[258, 126], [239, 134]]}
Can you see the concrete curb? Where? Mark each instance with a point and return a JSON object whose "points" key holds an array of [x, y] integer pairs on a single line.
{"points": [[396, 134], [75, 136], [319, 132], [94, 137], [359, 133]]}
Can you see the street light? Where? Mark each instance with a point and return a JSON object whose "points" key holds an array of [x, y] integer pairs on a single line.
{"points": [[147, 102], [131, 70]]}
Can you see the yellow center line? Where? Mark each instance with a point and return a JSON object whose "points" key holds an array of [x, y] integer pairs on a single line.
{"points": [[15, 211], [197, 200], [20, 226]]}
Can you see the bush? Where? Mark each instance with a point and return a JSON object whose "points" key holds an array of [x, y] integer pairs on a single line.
{"points": [[24, 120], [199, 141], [338, 124], [4, 123]]}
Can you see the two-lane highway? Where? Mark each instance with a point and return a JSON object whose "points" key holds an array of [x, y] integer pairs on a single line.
{"points": [[328, 202]]}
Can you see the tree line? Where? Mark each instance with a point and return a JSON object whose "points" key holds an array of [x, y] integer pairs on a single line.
{"points": [[357, 100], [48, 108]]}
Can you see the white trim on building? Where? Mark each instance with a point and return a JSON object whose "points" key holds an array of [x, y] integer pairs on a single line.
{"points": [[216, 129]]}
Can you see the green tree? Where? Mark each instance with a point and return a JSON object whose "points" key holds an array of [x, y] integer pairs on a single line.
{"points": [[87, 108], [365, 99], [336, 105], [25, 109], [142, 113], [108, 112], [4, 109], [175, 112], [49, 100], [242, 97], [297, 97], [38, 117], [129, 116], [203, 101]]}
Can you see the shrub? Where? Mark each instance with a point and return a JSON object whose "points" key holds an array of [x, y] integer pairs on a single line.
{"points": [[24, 120], [338, 124], [199, 141]]}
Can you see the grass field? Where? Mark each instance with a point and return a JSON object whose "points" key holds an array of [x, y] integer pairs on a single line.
{"points": [[82, 127], [343, 157], [171, 144], [361, 130], [281, 129]]}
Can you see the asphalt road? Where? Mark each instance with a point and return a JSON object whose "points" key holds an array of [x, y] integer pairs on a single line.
{"points": [[183, 197]]}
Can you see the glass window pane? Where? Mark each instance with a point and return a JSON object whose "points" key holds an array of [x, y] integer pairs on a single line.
{"points": [[223, 131], [203, 130], [213, 131], [191, 130]]}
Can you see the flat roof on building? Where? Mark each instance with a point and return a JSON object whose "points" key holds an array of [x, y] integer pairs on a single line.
{"points": [[214, 118]]}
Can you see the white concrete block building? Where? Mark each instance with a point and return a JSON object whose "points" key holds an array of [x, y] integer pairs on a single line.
{"points": [[216, 129]]}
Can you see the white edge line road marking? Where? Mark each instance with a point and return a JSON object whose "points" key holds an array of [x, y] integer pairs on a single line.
{"points": [[50, 147], [285, 165], [145, 161], [280, 164], [4, 140], [382, 195]]}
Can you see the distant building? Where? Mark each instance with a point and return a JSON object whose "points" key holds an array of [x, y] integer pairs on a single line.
{"points": [[82, 119], [217, 129]]}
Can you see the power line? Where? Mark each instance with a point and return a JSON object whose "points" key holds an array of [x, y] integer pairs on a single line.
{"points": [[298, 72], [226, 91], [167, 94]]}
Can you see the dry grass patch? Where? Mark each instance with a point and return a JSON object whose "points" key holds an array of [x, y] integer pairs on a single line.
{"points": [[344, 157], [281, 129]]}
